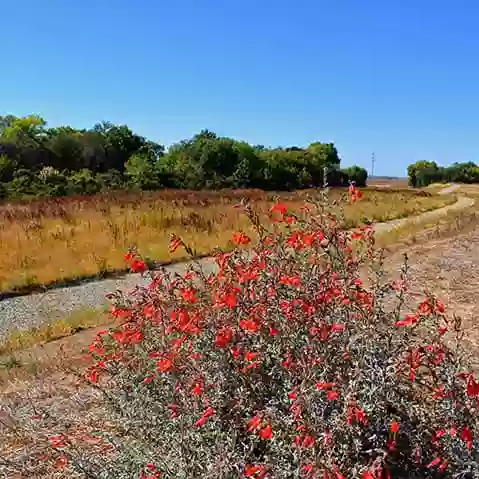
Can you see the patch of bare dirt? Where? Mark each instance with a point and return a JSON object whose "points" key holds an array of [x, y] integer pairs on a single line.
{"points": [[449, 268]]}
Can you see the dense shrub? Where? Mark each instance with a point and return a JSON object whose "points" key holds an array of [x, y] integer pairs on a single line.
{"points": [[423, 173], [287, 361], [110, 157]]}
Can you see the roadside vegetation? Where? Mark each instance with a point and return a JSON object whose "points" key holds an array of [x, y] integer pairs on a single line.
{"points": [[284, 363], [55, 240], [424, 173]]}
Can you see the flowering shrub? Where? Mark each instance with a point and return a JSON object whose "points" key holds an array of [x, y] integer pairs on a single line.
{"points": [[287, 361]]}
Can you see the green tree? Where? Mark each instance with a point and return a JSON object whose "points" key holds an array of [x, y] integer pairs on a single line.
{"points": [[357, 174], [142, 172], [423, 173]]}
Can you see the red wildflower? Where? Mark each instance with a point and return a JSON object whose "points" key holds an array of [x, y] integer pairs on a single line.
{"points": [[472, 387], [303, 441], [241, 239], [254, 423], [137, 266], [129, 256], [434, 462], [188, 294], [164, 365], [408, 320], [149, 311], [466, 435], [251, 325], [439, 306], [394, 427], [248, 356], [273, 331], [425, 307], [92, 375], [337, 327], [58, 440], [357, 415], [266, 432], [197, 391], [290, 280], [279, 207], [228, 298], [175, 243], [204, 417], [332, 395], [307, 469], [323, 386], [257, 472], [223, 337], [173, 410]]}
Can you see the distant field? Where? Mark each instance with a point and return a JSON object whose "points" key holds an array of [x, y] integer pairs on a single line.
{"points": [[383, 182], [58, 239]]}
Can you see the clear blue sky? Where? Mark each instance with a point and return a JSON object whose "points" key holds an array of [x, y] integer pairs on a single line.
{"points": [[397, 77]]}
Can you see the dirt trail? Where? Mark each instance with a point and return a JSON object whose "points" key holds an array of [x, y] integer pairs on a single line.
{"points": [[448, 268]]}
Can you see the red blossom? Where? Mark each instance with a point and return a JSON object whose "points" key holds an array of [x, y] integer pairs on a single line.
{"points": [[188, 294], [466, 435], [164, 365], [205, 416], [394, 427], [254, 471], [251, 325], [92, 375], [408, 320], [197, 391], [266, 433], [241, 239], [254, 423], [137, 266], [224, 337], [249, 356], [278, 207], [332, 395], [175, 243]]}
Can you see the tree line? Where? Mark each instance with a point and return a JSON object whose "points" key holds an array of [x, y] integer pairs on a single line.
{"points": [[423, 173], [36, 160]]}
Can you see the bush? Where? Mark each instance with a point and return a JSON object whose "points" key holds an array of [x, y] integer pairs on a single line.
{"points": [[286, 362]]}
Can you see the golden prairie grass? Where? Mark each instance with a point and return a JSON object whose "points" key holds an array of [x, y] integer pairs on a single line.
{"points": [[447, 225], [60, 239]]}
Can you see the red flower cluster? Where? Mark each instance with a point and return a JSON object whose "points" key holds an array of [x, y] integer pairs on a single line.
{"points": [[285, 357]]}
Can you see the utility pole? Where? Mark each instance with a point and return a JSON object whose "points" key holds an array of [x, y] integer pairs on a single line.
{"points": [[373, 161]]}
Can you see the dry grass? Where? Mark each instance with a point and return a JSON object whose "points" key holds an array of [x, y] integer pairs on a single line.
{"points": [[50, 241], [383, 182], [79, 320], [450, 224]]}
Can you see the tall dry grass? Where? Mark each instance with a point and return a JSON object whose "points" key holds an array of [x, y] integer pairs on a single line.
{"points": [[59, 239]]}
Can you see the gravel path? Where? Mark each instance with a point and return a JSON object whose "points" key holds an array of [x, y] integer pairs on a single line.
{"points": [[24, 312]]}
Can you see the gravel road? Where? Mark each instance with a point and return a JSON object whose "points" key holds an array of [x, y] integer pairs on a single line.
{"points": [[24, 312]]}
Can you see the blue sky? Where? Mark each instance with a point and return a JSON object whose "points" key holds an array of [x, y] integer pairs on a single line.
{"points": [[397, 77]]}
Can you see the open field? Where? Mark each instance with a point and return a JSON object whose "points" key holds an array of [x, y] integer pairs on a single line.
{"points": [[385, 182], [50, 241]]}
